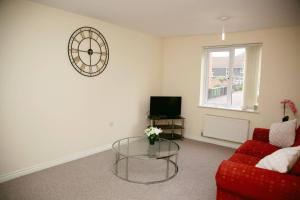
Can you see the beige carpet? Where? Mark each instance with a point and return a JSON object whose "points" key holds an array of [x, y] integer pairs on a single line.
{"points": [[91, 178]]}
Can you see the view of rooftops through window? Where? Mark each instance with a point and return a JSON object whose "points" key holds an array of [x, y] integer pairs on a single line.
{"points": [[223, 79]]}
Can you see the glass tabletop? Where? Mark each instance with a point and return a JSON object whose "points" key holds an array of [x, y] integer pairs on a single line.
{"points": [[139, 147]]}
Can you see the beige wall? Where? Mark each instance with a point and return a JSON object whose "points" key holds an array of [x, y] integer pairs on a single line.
{"points": [[47, 109], [280, 71]]}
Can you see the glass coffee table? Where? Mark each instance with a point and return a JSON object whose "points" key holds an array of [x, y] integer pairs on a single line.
{"points": [[139, 162]]}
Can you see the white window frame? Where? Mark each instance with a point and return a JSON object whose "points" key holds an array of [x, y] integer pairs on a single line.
{"points": [[231, 50]]}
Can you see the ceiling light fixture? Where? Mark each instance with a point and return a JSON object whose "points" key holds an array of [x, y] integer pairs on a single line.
{"points": [[223, 19], [223, 33]]}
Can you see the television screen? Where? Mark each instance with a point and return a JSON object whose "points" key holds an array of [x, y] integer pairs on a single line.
{"points": [[163, 107]]}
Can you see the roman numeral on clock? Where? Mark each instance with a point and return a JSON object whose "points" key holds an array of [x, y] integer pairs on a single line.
{"points": [[77, 59], [84, 44], [82, 35], [74, 50], [83, 67]]}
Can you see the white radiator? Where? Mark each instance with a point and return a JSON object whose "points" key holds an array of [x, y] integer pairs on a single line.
{"points": [[226, 128]]}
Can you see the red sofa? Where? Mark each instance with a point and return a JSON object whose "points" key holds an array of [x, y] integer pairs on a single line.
{"points": [[237, 178]]}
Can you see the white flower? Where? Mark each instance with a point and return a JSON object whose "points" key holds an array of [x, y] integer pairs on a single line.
{"points": [[152, 130]]}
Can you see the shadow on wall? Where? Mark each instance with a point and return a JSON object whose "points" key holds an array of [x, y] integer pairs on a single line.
{"points": [[142, 117]]}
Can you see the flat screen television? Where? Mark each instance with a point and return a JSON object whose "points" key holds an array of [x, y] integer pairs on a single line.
{"points": [[165, 107]]}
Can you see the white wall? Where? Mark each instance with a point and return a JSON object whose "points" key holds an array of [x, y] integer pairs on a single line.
{"points": [[280, 71], [47, 109]]}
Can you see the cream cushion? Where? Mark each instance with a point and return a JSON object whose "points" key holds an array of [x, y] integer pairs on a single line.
{"points": [[283, 134], [281, 160]]}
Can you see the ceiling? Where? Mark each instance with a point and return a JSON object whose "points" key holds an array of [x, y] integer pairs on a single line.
{"points": [[186, 17]]}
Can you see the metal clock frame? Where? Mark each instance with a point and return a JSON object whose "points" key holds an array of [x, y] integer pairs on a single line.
{"points": [[90, 51]]}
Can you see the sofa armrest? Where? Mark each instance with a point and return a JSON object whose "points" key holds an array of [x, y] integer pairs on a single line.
{"points": [[256, 183], [261, 134]]}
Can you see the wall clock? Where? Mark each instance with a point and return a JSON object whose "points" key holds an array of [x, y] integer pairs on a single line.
{"points": [[88, 51]]}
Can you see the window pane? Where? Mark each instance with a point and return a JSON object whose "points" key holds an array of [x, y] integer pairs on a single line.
{"points": [[238, 77], [218, 73]]}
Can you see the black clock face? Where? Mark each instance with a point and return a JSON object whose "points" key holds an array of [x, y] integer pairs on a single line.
{"points": [[88, 51]]}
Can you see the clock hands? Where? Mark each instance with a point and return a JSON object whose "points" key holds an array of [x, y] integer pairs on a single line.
{"points": [[90, 40], [97, 52], [89, 52]]}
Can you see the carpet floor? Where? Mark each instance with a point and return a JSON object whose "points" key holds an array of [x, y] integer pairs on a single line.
{"points": [[91, 178]]}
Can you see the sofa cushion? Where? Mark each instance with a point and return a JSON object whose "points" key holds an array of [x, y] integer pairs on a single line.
{"points": [[256, 148], [297, 138], [244, 159], [256, 183], [281, 160], [261, 134], [296, 168], [282, 134]]}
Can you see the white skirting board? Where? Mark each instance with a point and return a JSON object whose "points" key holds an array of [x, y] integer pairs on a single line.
{"points": [[223, 143], [226, 128], [48, 164]]}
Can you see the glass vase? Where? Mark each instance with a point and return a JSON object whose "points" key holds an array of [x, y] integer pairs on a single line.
{"points": [[152, 139]]}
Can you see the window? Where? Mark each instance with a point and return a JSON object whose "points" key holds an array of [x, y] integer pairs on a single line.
{"points": [[230, 76]]}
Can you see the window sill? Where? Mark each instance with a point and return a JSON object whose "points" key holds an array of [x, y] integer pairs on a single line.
{"points": [[228, 108]]}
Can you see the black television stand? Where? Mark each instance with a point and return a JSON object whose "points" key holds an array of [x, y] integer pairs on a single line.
{"points": [[172, 127]]}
